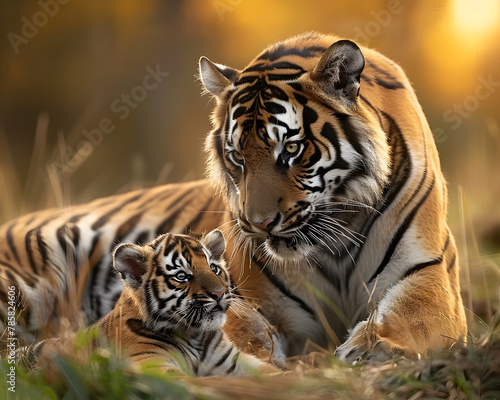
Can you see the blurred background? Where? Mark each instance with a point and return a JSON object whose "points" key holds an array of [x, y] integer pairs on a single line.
{"points": [[105, 94]]}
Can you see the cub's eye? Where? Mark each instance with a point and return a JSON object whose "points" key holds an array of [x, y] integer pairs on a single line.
{"points": [[292, 148], [181, 276], [215, 269], [237, 155]]}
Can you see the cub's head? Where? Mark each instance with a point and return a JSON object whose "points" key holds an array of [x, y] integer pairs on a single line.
{"points": [[177, 281], [292, 144]]}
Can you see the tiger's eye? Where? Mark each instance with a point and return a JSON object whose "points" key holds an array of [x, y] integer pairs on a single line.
{"points": [[180, 276], [292, 148], [215, 269], [238, 155]]}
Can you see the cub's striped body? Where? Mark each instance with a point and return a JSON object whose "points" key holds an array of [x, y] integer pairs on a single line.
{"points": [[62, 258], [172, 308], [322, 154]]}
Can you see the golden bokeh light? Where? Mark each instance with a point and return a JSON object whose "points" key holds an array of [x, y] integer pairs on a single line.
{"points": [[475, 17]]}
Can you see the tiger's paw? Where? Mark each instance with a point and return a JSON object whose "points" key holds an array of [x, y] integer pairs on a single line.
{"points": [[365, 344], [251, 333]]}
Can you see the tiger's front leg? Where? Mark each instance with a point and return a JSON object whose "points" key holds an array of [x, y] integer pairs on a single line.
{"points": [[253, 334], [418, 314]]}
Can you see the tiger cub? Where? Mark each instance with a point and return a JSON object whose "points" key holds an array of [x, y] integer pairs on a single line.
{"points": [[173, 306]]}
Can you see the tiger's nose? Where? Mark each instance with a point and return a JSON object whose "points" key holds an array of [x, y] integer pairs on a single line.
{"points": [[262, 225], [217, 294]]}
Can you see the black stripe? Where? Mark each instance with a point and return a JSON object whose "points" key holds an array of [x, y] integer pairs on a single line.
{"points": [[403, 169], [104, 219], [27, 276], [400, 232], [350, 132], [279, 285], [246, 79], [387, 80], [300, 98], [144, 353], [400, 173], [436, 261], [191, 226], [29, 251], [421, 266], [284, 77], [127, 226], [224, 357], [43, 248], [11, 276], [62, 235], [10, 241], [207, 339], [274, 108], [167, 224], [452, 262], [375, 110], [233, 366], [329, 133], [389, 85], [136, 326], [142, 237], [6, 264], [259, 67], [282, 50], [168, 190], [93, 246], [76, 218]]}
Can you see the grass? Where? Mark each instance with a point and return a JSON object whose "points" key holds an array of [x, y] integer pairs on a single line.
{"points": [[471, 372]]}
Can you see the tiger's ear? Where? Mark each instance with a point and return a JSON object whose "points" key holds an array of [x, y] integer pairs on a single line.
{"points": [[214, 242], [216, 77], [131, 262], [339, 70]]}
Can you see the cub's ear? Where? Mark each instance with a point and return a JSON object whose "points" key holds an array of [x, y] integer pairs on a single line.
{"points": [[214, 242], [216, 77], [339, 70], [130, 261]]}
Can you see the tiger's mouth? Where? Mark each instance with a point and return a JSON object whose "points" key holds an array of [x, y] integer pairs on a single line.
{"points": [[285, 244], [318, 229], [288, 247], [207, 314]]}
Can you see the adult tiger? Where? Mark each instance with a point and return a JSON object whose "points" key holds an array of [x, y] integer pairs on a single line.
{"points": [[327, 163]]}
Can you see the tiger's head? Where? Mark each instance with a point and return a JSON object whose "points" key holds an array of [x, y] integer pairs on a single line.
{"points": [[176, 281], [292, 144]]}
